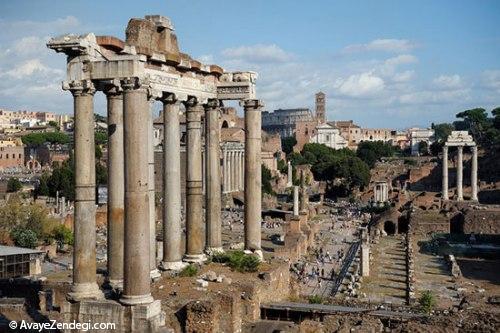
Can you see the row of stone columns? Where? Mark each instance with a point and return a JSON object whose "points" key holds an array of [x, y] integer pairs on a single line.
{"points": [[131, 201], [233, 170], [460, 196]]}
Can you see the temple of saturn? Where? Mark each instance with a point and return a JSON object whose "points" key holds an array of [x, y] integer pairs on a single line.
{"points": [[460, 139], [148, 66]]}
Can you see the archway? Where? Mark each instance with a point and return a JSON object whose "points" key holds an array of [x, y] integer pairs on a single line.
{"points": [[390, 227], [225, 124], [402, 225]]}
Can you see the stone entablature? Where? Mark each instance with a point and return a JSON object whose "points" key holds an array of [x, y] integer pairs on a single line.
{"points": [[460, 138]]}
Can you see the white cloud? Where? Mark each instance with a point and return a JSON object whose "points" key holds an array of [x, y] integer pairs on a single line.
{"points": [[360, 85], [28, 68], [434, 97], [491, 79], [401, 60], [448, 81], [403, 76], [386, 45], [259, 53]]}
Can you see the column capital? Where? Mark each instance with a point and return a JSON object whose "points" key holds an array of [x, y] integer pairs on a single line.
{"points": [[212, 104], [134, 83], [445, 148], [79, 88], [191, 103], [460, 149], [169, 98], [252, 104], [474, 149]]}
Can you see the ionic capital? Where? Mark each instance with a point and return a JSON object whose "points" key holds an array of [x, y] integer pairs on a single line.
{"points": [[252, 104], [80, 88]]}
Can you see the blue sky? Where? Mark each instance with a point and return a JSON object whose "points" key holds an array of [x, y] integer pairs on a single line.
{"points": [[381, 63]]}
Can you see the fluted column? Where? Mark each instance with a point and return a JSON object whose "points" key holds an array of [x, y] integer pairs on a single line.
{"points": [[172, 230], [84, 254], [229, 165], [194, 197], [474, 174], [234, 171], [154, 273], [224, 170], [460, 174], [242, 170], [116, 192], [213, 188], [253, 181], [136, 280], [444, 194]]}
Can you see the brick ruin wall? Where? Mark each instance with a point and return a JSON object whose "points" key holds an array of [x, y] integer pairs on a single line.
{"points": [[481, 222]]}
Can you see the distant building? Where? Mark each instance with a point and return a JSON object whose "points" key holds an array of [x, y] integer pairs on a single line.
{"points": [[283, 121], [418, 135], [13, 119], [11, 154], [321, 107], [19, 262], [329, 136]]}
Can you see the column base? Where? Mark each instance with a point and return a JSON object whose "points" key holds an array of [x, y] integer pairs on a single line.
{"points": [[136, 299], [85, 291], [115, 284], [172, 265], [155, 274], [257, 253], [195, 258], [210, 251]]}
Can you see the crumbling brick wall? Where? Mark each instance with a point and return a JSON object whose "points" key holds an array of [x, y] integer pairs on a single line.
{"points": [[482, 221]]}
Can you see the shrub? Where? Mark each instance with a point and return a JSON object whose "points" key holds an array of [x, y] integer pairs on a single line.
{"points": [[63, 235], [315, 299], [189, 271], [24, 237], [14, 185], [238, 261], [427, 301]]}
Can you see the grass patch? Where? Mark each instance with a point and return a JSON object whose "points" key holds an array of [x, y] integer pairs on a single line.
{"points": [[316, 299], [189, 271], [238, 261]]}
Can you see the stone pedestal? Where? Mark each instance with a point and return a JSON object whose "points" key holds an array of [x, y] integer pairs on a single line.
{"points": [[172, 230], [194, 192], [116, 180], [84, 254], [365, 259], [136, 280], [253, 203], [213, 183]]}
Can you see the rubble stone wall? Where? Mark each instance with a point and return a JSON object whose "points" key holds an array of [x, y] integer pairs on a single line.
{"points": [[482, 221]]}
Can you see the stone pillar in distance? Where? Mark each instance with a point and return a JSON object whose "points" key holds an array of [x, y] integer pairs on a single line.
{"points": [[460, 174], [253, 181], [213, 172], [116, 192], [444, 194], [195, 237], [84, 252], [474, 174]]}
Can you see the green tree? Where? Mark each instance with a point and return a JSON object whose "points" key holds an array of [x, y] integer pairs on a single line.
{"points": [[288, 143], [266, 180], [14, 185], [63, 235], [38, 139], [423, 148], [24, 237], [476, 121], [101, 174], [43, 188], [427, 301], [442, 131], [53, 124], [371, 151], [100, 137]]}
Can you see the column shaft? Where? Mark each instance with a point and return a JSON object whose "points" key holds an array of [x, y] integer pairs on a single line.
{"points": [[194, 196], [136, 280], [474, 174], [116, 192], [213, 188], [234, 171], [242, 170], [172, 230], [295, 201], [151, 194], [253, 181], [84, 254], [224, 170], [460, 174], [444, 194]]}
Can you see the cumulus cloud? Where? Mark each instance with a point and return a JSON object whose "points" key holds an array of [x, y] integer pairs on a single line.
{"points": [[259, 53], [360, 85], [448, 81], [491, 79], [435, 97], [404, 76], [385, 45], [26, 69]]}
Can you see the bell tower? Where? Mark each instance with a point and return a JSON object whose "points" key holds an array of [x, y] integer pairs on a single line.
{"points": [[320, 107]]}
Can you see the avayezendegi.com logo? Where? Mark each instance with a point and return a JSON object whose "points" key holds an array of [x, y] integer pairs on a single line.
{"points": [[54, 325]]}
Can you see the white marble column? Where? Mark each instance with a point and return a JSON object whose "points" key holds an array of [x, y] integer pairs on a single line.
{"points": [[224, 170], [474, 174], [154, 273], [229, 168], [295, 201], [444, 194], [460, 174], [84, 251], [234, 171], [289, 175], [253, 173], [136, 280], [242, 170], [172, 229]]}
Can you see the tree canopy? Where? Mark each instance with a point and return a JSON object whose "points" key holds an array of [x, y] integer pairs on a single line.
{"points": [[371, 151], [288, 143], [38, 139]]}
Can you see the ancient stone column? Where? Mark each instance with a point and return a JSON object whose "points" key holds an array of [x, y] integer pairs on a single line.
{"points": [[295, 201], [224, 170], [229, 165], [303, 193], [242, 170], [213, 188], [194, 196], [234, 171], [172, 230], [136, 279], [155, 274], [289, 175], [253, 181], [116, 191], [473, 176], [460, 174], [444, 194], [84, 254]]}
